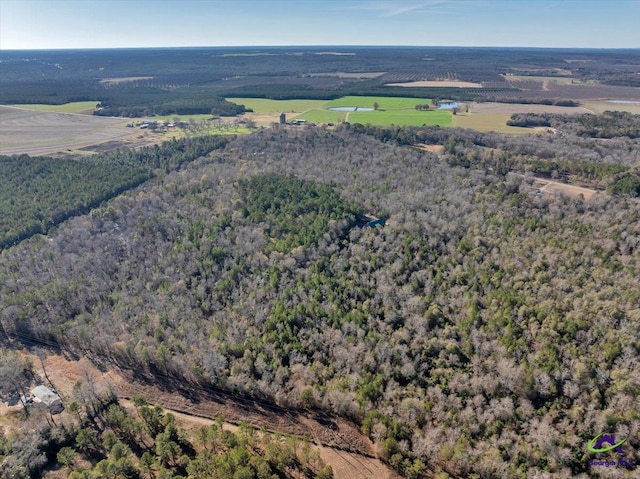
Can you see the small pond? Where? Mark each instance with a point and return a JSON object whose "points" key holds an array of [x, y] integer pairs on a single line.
{"points": [[448, 106], [350, 108]]}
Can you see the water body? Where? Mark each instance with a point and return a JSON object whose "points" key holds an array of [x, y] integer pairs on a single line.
{"points": [[626, 102], [350, 108], [448, 106]]}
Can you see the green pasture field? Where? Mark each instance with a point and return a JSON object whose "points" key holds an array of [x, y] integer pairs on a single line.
{"points": [[262, 105], [385, 103], [402, 117], [73, 107], [323, 116], [391, 110]]}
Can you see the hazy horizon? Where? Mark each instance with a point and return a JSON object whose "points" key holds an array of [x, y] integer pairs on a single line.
{"points": [[99, 24]]}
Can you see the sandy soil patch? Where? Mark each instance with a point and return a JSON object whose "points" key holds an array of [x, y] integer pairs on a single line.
{"points": [[511, 108], [42, 133], [570, 190], [354, 466], [430, 148], [123, 79], [543, 185], [438, 83]]}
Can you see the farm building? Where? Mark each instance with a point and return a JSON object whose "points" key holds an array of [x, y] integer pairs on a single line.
{"points": [[283, 118], [371, 221], [44, 395]]}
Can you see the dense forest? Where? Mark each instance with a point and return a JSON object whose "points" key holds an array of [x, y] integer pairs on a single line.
{"points": [[484, 331], [41, 192]]}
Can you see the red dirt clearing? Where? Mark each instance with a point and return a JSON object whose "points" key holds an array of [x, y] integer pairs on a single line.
{"points": [[344, 448]]}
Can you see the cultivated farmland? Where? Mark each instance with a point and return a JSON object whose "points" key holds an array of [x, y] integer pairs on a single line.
{"points": [[40, 133], [72, 107], [491, 116], [402, 117]]}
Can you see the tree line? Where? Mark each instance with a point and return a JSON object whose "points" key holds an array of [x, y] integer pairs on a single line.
{"points": [[38, 193]]}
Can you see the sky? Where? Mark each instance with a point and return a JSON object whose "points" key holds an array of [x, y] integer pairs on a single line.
{"points": [[52, 24]]}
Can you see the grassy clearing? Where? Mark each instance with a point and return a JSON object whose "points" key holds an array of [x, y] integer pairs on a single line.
{"points": [[402, 117], [74, 107], [602, 106], [194, 117], [385, 103], [489, 122], [262, 105], [323, 116]]}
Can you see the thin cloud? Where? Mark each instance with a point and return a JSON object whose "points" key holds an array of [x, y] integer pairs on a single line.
{"points": [[393, 9]]}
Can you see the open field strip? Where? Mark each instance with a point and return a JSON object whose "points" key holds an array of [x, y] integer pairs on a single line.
{"points": [[323, 116], [348, 74], [74, 107], [489, 122], [123, 80], [437, 83], [194, 117], [263, 105], [600, 106], [511, 108], [493, 116], [384, 102], [402, 117]]}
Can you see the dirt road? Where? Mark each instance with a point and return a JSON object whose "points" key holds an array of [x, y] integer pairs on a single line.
{"points": [[549, 186], [342, 446]]}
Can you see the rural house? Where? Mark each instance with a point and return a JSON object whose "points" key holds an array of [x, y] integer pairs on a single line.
{"points": [[44, 395]]}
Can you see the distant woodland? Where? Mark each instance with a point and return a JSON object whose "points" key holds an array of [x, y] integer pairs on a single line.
{"points": [[484, 331], [143, 82]]}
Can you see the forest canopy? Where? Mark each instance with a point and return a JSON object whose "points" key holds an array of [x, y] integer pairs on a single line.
{"points": [[37, 193], [484, 331]]}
